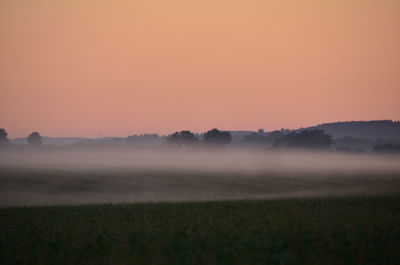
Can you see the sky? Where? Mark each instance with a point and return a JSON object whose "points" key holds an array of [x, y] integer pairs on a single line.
{"points": [[115, 68]]}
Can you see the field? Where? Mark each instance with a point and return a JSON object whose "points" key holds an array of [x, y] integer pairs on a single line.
{"points": [[347, 230], [74, 176], [124, 207]]}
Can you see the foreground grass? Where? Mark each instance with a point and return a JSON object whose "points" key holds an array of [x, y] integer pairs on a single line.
{"points": [[292, 231]]}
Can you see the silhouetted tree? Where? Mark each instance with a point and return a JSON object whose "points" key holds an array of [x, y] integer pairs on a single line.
{"points": [[306, 139], [3, 137], [35, 139], [182, 138], [387, 148], [217, 137]]}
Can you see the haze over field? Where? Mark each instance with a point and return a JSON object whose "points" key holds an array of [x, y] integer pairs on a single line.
{"points": [[109, 175]]}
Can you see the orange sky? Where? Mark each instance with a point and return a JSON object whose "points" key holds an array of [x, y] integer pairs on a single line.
{"points": [[114, 68]]}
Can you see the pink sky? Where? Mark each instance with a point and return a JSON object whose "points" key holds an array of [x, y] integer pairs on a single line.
{"points": [[84, 68]]}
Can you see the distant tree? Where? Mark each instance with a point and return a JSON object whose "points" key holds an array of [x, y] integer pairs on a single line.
{"points": [[35, 139], [274, 135], [387, 148], [261, 138], [255, 139], [144, 139], [3, 137], [217, 137], [306, 139], [182, 138]]}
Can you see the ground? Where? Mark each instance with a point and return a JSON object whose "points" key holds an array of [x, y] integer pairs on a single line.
{"points": [[333, 230]]}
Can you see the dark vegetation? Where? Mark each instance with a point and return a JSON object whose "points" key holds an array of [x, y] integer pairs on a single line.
{"points": [[387, 148], [260, 138], [217, 137], [183, 138], [3, 137], [349, 230], [35, 139], [314, 139]]}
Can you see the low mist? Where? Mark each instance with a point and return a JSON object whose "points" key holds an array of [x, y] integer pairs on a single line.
{"points": [[50, 176]]}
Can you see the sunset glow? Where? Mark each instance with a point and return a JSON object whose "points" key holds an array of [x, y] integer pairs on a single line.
{"points": [[114, 68]]}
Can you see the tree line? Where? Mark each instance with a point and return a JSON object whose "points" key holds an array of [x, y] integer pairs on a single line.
{"points": [[315, 139], [213, 137]]}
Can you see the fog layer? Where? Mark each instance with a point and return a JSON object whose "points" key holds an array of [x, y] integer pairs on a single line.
{"points": [[77, 176]]}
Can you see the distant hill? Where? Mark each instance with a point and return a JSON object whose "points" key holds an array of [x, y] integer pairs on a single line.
{"points": [[381, 129]]}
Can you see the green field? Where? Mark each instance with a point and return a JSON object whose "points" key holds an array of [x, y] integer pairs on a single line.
{"points": [[346, 230]]}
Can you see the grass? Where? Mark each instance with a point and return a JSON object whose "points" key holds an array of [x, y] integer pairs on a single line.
{"points": [[347, 230]]}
